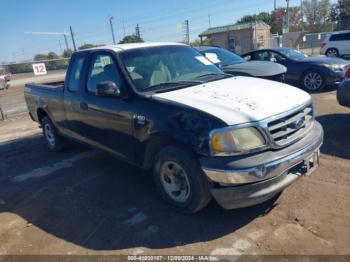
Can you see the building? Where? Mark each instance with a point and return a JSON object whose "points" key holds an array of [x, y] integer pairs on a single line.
{"points": [[240, 38]]}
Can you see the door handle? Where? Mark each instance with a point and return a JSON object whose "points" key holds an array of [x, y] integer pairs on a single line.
{"points": [[84, 106]]}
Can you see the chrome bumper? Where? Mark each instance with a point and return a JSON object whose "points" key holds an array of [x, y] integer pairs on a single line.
{"points": [[271, 174], [256, 172]]}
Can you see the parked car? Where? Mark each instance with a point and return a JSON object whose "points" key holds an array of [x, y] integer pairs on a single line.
{"points": [[343, 92], [311, 73], [4, 78], [336, 44], [231, 63], [166, 108]]}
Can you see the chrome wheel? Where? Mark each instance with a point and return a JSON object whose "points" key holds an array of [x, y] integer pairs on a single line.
{"points": [[175, 181], [332, 53], [313, 81], [49, 135]]}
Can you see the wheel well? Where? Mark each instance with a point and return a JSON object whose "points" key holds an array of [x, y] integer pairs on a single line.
{"points": [[41, 114], [332, 48]]}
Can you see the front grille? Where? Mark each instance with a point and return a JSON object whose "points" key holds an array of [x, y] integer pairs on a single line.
{"points": [[291, 127]]}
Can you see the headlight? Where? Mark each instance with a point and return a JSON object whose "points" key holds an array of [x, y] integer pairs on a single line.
{"points": [[335, 68], [236, 141]]}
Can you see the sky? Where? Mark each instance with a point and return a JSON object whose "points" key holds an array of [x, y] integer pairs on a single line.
{"points": [[159, 20]]}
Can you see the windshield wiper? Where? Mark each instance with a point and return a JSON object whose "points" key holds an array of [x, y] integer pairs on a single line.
{"points": [[215, 75], [172, 85]]}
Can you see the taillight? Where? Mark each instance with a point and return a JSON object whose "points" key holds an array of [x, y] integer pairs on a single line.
{"points": [[347, 75], [323, 45]]}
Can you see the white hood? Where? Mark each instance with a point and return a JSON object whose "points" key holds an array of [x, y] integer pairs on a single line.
{"points": [[239, 100]]}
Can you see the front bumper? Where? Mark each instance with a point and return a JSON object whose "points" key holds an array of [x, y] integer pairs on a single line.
{"points": [[246, 181], [334, 78]]}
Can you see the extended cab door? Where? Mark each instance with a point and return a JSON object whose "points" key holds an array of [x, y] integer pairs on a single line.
{"points": [[106, 122]]}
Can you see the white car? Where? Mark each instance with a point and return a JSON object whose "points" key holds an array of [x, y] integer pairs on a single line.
{"points": [[336, 44]]}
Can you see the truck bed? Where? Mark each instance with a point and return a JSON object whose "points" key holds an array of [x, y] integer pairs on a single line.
{"points": [[47, 95]]}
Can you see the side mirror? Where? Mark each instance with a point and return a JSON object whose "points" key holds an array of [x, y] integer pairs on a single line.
{"points": [[108, 89]]}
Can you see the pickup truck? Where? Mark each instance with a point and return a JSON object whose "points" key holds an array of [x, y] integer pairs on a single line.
{"points": [[165, 108]]}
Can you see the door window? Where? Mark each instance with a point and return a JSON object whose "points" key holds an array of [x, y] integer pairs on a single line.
{"points": [[102, 68], [340, 37]]}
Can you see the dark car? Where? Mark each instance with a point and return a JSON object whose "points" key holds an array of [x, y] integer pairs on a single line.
{"points": [[311, 73], [343, 93], [233, 64]]}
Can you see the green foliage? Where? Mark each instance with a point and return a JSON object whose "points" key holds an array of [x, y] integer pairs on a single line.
{"points": [[263, 16], [86, 46], [197, 42], [67, 53], [131, 39], [40, 57]]}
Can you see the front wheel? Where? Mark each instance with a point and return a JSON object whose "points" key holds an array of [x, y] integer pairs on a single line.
{"points": [[180, 181], [313, 81]]}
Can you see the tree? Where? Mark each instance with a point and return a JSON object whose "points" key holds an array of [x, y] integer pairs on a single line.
{"points": [[40, 57], [278, 19], [131, 39], [317, 14], [86, 46], [340, 14], [67, 53], [197, 42], [263, 16]]}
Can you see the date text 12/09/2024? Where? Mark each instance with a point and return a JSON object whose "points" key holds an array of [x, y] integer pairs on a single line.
{"points": [[173, 258]]}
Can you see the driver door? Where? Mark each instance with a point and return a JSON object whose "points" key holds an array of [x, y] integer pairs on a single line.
{"points": [[106, 122]]}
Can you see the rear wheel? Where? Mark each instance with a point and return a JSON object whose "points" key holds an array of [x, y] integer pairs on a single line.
{"points": [[332, 52], [54, 141], [180, 181], [313, 81]]}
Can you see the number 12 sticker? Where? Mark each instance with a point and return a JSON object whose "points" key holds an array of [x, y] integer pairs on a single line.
{"points": [[39, 69]]}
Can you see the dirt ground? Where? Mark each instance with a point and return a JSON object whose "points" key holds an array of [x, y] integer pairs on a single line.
{"points": [[83, 201]]}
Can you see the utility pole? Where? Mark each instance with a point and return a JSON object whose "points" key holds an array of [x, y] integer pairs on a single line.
{"points": [[112, 29], [187, 32], [137, 31], [287, 14], [274, 6], [73, 40], [209, 20]]}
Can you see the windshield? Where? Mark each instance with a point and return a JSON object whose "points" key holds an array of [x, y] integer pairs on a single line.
{"points": [[292, 54], [165, 67], [222, 57]]}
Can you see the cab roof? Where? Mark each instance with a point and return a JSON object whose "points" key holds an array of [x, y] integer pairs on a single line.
{"points": [[123, 47]]}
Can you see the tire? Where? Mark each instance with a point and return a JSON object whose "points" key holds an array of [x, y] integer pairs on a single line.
{"points": [[332, 52], [179, 180], [313, 81], [54, 141]]}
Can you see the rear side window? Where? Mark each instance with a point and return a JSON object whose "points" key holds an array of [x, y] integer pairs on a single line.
{"points": [[340, 37], [75, 73]]}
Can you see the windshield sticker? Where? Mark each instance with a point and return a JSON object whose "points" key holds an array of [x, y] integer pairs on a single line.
{"points": [[203, 60], [213, 57]]}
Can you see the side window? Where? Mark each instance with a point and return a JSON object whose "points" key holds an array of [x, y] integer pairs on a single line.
{"points": [[340, 37], [263, 56], [74, 75], [102, 68], [248, 57]]}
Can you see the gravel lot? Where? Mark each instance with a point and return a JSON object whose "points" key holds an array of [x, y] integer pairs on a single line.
{"points": [[83, 201]]}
